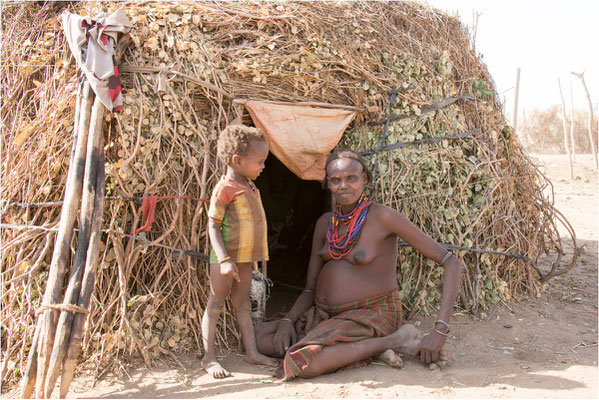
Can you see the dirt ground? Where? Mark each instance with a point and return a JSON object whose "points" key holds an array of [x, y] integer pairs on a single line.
{"points": [[532, 348]]}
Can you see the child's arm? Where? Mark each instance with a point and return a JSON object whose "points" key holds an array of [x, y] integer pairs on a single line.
{"points": [[227, 267]]}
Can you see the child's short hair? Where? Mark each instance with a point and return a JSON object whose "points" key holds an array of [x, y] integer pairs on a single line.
{"points": [[236, 139]]}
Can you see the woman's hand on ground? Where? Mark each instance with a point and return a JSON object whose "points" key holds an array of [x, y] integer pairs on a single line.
{"points": [[430, 347], [229, 269], [442, 362], [284, 337]]}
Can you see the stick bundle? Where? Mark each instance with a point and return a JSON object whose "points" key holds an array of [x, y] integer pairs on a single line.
{"points": [[85, 185], [86, 174]]}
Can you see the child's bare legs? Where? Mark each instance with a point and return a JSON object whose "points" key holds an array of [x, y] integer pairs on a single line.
{"points": [[240, 298], [219, 289]]}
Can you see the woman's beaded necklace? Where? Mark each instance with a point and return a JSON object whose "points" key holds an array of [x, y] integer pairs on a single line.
{"points": [[339, 247]]}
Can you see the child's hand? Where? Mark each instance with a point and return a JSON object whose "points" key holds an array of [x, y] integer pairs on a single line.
{"points": [[229, 269]]}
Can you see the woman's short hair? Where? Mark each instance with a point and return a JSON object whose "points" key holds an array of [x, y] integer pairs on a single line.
{"points": [[236, 139], [339, 154]]}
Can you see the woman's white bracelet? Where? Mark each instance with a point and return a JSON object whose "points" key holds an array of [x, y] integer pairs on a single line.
{"points": [[443, 323], [439, 332], [444, 260]]}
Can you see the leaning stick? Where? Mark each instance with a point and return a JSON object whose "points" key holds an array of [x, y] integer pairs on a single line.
{"points": [[89, 278], [70, 327], [31, 368], [30, 372], [71, 296], [53, 293], [63, 238]]}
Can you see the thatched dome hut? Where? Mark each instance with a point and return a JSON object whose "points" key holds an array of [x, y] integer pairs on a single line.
{"points": [[446, 158]]}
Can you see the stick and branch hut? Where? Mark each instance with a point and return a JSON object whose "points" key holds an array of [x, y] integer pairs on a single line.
{"points": [[426, 118]]}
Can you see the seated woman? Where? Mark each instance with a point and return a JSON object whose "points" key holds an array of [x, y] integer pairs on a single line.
{"points": [[350, 310]]}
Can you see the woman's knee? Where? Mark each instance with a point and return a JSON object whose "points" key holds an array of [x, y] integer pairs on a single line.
{"points": [[265, 346], [266, 328]]}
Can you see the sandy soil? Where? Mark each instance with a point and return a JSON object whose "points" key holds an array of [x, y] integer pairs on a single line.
{"points": [[533, 348]]}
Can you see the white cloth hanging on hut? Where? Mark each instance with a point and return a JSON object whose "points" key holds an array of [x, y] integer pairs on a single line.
{"points": [[92, 41], [300, 136]]}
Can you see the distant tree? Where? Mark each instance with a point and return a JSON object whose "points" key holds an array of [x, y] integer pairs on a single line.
{"points": [[581, 137], [542, 131], [572, 137], [567, 144]]}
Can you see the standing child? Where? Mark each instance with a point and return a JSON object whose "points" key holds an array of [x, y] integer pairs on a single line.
{"points": [[237, 230]]}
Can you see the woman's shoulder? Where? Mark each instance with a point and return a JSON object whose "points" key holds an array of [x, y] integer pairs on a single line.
{"points": [[388, 217], [383, 211], [322, 225], [324, 218]]}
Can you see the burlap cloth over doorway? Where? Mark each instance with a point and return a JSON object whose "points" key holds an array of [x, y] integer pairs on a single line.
{"points": [[300, 136]]}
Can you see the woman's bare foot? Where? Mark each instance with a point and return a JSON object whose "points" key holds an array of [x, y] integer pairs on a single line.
{"points": [[406, 339], [390, 358], [261, 359], [213, 368]]}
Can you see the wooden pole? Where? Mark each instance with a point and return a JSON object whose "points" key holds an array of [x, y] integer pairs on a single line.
{"points": [[525, 123], [572, 140], [590, 121], [475, 16], [89, 278], [564, 124], [32, 373], [53, 293], [516, 101], [71, 296], [43, 342]]}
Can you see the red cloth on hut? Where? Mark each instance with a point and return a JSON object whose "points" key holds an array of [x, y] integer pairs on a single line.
{"points": [[148, 209]]}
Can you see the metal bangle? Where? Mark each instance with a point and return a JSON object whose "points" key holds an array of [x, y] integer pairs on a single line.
{"points": [[439, 332], [286, 319], [442, 322], [308, 290], [444, 260]]}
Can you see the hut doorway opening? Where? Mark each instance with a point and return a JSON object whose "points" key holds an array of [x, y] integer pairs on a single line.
{"points": [[292, 206]]}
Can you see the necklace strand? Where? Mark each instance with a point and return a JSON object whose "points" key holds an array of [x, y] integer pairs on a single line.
{"points": [[340, 246]]}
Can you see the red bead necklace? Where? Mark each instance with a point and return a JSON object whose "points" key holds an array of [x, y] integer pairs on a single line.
{"points": [[340, 246]]}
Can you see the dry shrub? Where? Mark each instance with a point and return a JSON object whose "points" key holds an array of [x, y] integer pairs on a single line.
{"points": [[543, 131]]}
